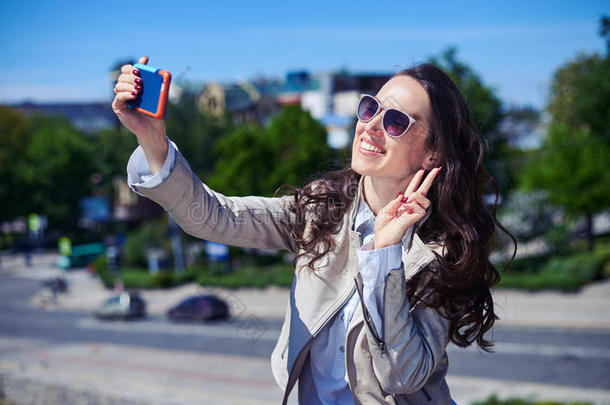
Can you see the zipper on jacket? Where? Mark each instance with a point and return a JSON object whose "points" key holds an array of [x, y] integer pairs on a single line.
{"points": [[367, 317], [427, 395]]}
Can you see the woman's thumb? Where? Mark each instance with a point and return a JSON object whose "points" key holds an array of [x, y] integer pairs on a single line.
{"points": [[143, 60]]}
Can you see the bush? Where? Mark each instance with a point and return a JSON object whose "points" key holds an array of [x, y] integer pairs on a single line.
{"points": [[531, 264], [146, 236], [493, 400], [561, 273], [140, 278], [100, 266], [247, 276], [134, 278]]}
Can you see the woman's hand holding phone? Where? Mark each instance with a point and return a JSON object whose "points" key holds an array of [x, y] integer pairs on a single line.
{"points": [[149, 131]]}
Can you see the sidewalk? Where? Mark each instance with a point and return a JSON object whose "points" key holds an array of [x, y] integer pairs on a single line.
{"points": [[128, 375], [39, 374]]}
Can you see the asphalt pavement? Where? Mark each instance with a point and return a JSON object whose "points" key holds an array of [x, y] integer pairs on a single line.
{"points": [[549, 345]]}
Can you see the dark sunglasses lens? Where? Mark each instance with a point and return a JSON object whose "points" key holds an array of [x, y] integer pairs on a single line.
{"points": [[367, 108], [395, 122]]}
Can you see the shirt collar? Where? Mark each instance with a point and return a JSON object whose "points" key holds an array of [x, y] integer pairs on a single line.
{"points": [[365, 219]]}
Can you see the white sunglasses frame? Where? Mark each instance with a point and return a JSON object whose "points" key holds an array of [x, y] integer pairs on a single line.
{"points": [[383, 109]]}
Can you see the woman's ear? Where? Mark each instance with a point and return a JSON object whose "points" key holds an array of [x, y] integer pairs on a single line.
{"points": [[431, 161]]}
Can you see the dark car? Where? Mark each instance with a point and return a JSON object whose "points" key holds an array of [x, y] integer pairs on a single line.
{"points": [[127, 305], [199, 308]]}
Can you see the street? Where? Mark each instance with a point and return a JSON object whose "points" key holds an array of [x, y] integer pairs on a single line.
{"points": [[577, 359]]}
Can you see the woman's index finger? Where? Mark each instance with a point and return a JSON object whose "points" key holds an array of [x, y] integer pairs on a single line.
{"points": [[427, 183], [414, 182]]}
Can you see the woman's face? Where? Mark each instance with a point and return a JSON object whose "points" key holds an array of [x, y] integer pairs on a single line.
{"points": [[399, 158]]}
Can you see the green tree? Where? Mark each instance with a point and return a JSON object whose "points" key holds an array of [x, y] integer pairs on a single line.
{"points": [[14, 139], [572, 166], [299, 147], [486, 110], [244, 162], [254, 160], [112, 150], [54, 172], [195, 132], [580, 95], [484, 105]]}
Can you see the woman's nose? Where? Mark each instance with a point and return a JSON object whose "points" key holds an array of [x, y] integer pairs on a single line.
{"points": [[375, 126]]}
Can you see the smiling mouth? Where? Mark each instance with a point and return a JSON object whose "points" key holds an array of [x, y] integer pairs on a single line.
{"points": [[370, 147]]}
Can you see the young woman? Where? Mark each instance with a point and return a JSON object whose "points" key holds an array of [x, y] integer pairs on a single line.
{"points": [[392, 252]]}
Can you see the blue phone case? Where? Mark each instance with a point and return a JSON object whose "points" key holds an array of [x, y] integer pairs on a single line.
{"points": [[155, 88]]}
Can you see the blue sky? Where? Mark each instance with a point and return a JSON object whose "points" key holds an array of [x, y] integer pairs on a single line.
{"points": [[63, 50]]}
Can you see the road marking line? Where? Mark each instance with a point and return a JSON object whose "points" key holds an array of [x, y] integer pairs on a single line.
{"points": [[540, 350], [237, 331]]}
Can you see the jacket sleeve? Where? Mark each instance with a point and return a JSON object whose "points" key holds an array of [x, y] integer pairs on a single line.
{"points": [[413, 340], [257, 222]]}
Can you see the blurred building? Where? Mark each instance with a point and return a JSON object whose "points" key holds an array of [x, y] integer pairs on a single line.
{"points": [[524, 128], [129, 206], [242, 100], [332, 98], [88, 117]]}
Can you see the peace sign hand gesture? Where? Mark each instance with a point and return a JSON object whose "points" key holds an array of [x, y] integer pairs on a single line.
{"points": [[393, 220]]}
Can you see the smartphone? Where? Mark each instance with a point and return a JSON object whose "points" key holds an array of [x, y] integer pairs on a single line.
{"points": [[152, 100]]}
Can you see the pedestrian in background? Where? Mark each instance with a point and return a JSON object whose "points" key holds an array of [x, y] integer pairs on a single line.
{"points": [[392, 252]]}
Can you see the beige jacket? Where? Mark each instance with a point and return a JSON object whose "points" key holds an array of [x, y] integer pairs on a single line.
{"points": [[407, 367]]}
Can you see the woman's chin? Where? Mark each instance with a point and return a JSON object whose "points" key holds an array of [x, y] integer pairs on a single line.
{"points": [[362, 168]]}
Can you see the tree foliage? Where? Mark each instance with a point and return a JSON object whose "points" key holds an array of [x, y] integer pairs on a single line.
{"points": [[482, 100], [255, 160], [572, 166], [14, 139], [195, 132], [486, 110], [53, 172], [112, 150], [580, 95]]}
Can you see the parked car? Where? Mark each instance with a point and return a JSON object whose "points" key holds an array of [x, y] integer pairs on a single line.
{"points": [[199, 308], [127, 305]]}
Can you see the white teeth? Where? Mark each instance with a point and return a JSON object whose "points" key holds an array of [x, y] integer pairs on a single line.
{"points": [[367, 146]]}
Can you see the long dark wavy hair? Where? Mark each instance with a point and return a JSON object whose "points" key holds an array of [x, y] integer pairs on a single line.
{"points": [[458, 283]]}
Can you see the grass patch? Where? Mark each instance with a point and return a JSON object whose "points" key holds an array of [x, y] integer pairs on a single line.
{"points": [[493, 400], [142, 279], [560, 273], [248, 276], [564, 273], [212, 275]]}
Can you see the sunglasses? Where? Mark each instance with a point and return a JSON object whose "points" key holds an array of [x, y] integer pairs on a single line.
{"points": [[395, 122]]}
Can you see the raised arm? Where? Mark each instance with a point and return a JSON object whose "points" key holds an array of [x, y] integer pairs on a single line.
{"points": [[257, 222], [242, 221]]}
